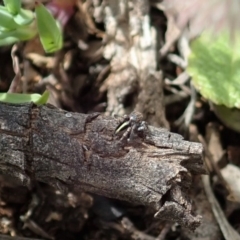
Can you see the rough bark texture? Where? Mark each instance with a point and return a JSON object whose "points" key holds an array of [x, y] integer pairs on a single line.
{"points": [[73, 151], [131, 46]]}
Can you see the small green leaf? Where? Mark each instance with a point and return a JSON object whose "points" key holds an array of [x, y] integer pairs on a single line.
{"points": [[49, 31], [13, 6], [24, 98], [8, 41], [229, 116], [6, 19], [21, 33], [24, 17], [214, 65], [43, 99]]}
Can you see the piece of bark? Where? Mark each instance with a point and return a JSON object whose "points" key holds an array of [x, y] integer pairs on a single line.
{"points": [[73, 151], [209, 229]]}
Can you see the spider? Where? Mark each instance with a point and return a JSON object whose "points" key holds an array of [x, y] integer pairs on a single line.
{"points": [[134, 125]]}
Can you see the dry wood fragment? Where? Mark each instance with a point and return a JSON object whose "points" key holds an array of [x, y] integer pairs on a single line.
{"points": [[228, 231], [131, 45], [73, 151]]}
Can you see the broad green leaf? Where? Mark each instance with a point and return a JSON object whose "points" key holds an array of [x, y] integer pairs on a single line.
{"points": [[24, 98], [49, 31], [214, 65], [13, 6]]}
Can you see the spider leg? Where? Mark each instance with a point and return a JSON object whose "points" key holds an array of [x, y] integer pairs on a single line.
{"points": [[133, 133], [126, 134]]}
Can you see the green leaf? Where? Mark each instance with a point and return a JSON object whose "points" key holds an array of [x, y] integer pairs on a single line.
{"points": [[49, 31], [14, 15], [21, 33], [43, 99], [214, 65], [24, 98], [24, 17], [8, 41], [13, 6], [6, 19], [229, 116]]}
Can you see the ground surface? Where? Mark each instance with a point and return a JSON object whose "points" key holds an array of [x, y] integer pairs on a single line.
{"points": [[118, 58]]}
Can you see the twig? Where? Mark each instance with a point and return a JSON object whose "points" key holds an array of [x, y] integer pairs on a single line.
{"points": [[177, 60], [16, 80], [228, 231], [135, 234]]}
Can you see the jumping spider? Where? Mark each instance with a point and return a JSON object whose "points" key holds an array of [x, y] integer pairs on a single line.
{"points": [[134, 125]]}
